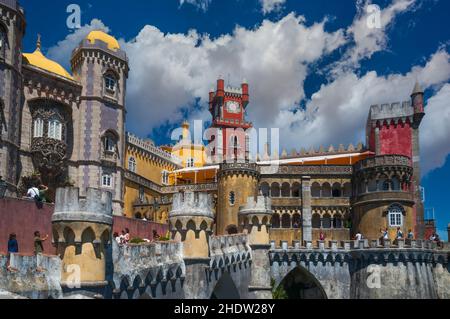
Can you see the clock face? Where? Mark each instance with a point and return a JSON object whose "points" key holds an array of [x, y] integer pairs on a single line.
{"points": [[233, 107]]}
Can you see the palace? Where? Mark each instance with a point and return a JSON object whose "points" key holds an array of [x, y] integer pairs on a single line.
{"points": [[240, 224]]}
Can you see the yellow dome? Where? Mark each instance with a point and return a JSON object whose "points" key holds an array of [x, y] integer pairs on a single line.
{"points": [[37, 59], [102, 36]]}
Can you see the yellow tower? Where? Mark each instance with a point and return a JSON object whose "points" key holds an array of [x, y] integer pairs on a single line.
{"points": [[191, 222], [236, 182], [82, 233]]}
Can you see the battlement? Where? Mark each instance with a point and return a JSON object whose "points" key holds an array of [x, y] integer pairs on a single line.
{"points": [[86, 44], [321, 151], [262, 205], [389, 111], [144, 264], [229, 250], [233, 90], [192, 204], [95, 207]]}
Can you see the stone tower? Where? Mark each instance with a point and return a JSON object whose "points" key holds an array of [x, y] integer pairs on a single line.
{"points": [[101, 67], [82, 235], [236, 182], [12, 29], [191, 221], [254, 218]]}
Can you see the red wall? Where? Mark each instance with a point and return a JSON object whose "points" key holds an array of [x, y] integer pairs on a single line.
{"points": [[23, 218], [139, 228], [396, 140]]}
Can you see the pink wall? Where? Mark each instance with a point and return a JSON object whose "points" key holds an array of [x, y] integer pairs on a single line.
{"points": [[23, 218]]}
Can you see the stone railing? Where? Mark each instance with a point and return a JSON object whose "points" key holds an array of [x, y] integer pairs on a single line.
{"points": [[307, 170], [109, 158], [136, 141], [229, 250], [137, 265], [384, 160], [32, 276], [330, 201], [207, 187]]}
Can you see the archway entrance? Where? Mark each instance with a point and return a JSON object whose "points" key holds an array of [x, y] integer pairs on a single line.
{"points": [[225, 288], [301, 284]]}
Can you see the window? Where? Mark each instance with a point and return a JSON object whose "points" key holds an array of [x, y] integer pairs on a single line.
{"points": [[38, 130], [3, 42], [395, 215], [132, 164], [110, 144], [54, 129], [165, 177], [141, 194], [106, 180], [190, 162], [110, 83], [232, 198]]}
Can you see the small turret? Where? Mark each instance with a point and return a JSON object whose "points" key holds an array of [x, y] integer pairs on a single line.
{"points": [[191, 222], [255, 217], [417, 100]]}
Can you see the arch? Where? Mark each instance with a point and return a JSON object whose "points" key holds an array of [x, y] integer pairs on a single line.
{"points": [[326, 221], [286, 221], [286, 190], [372, 185], [296, 220], [395, 183], [337, 221], [326, 190], [347, 191], [315, 221], [232, 229], [4, 43], [132, 164], [336, 190], [265, 189], [225, 288], [69, 236], [395, 215], [296, 189], [383, 183], [276, 221], [299, 283], [275, 190], [315, 190]]}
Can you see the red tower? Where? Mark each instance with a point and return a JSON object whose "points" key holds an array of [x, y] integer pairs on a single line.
{"points": [[227, 106]]}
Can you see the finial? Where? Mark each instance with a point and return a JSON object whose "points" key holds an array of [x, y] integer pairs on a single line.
{"points": [[417, 88], [38, 42]]}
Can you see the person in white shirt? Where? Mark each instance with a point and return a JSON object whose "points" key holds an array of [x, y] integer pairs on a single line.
{"points": [[33, 192], [358, 236]]}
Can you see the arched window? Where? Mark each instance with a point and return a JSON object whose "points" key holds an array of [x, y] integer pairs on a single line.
{"points": [[315, 190], [275, 190], [296, 190], [383, 183], [165, 177], [286, 190], [326, 221], [372, 185], [107, 180], [337, 221], [395, 183], [296, 221], [3, 42], [232, 198], [275, 221], [132, 164], [54, 129], [110, 83], [326, 190], [315, 221], [395, 215], [337, 190], [347, 190], [110, 143], [265, 189], [286, 221], [38, 128]]}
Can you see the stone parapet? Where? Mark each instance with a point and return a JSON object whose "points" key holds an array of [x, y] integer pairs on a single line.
{"points": [[229, 250]]}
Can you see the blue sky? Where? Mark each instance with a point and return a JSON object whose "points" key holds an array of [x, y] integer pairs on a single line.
{"points": [[312, 67]]}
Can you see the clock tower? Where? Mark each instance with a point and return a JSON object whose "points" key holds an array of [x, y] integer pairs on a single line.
{"points": [[227, 106]]}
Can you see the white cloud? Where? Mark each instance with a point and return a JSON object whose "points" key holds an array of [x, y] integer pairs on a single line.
{"points": [[269, 6], [200, 4], [62, 51]]}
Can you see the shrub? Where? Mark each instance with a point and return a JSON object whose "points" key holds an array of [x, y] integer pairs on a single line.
{"points": [[137, 240]]}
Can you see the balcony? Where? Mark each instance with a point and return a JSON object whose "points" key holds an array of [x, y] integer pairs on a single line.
{"points": [[376, 197], [109, 158]]}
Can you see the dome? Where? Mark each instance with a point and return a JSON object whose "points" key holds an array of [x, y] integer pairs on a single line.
{"points": [[102, 36], [38, 60]]}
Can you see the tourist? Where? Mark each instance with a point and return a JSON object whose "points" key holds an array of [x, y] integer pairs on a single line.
{"points": [[33, 193], [38, 242], [322, 236], [122, 237], [43, 192], [410, 235], [358, 236], [13, 245], [127, 236], [117, 238], [399, 233], [156, 236]]}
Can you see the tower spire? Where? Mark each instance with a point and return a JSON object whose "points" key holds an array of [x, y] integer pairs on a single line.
{"points": [[417, 89], [38, 43]]}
